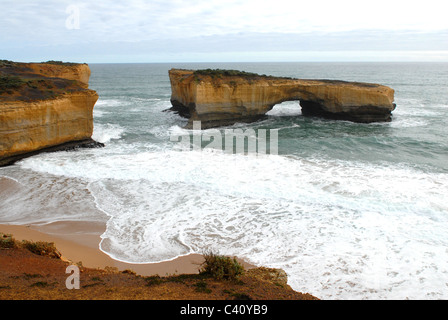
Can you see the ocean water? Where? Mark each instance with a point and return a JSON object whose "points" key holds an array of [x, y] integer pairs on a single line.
{"points": [[349, 211]]}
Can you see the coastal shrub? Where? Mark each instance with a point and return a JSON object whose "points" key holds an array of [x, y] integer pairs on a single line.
{"points": [[219, 73], [223, 72], [7, 63], [42, 248], [7, 83], [241, 296], [201, 286], [7, 241], [29, 276], [221, 267], [40, 284], [153, 280], [32, 84], [61, 63]]}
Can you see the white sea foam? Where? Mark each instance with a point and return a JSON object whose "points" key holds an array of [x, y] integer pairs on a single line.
{"points": [[107, 132], [400, 121], [105, 106], [111, 103], [340, 229], [413, 113], [163, 131], [440, 106], [289, 108], [34, 198], [98, 113]]}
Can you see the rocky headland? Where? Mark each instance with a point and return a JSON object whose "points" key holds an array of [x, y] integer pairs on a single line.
{"points": [[44, 107], [224, 97]]}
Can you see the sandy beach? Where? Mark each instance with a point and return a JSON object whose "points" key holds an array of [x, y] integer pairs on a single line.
{"points": [[79, 242]]}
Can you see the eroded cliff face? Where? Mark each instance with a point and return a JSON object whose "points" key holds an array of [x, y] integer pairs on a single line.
{"points": [[217, 99], [44, 107]]}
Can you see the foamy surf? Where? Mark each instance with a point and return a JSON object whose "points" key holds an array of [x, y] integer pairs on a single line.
{"points": [[327, 222], [106, 132]]}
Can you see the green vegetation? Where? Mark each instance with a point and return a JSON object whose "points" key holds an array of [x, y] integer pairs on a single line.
{"points": [[201, 286], [237, 295], [222, 72], [7, 241], [7, 63], [41, 284], [10, 83], [154, 280], [32, 88], [221, 267], [32, 84], [19, 82], [96, 281], [31, 275], [41, 248], [45, 83], [61, 63]]}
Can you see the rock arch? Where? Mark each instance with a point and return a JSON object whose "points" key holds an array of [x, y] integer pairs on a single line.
{"points": [[223, 97]]}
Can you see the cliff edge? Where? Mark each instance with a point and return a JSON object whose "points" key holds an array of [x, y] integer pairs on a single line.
{"points": [[44, 107], [223, 97], [37, 271]]}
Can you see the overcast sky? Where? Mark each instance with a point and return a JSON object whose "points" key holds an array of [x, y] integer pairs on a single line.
{"points": [[218, 30]]}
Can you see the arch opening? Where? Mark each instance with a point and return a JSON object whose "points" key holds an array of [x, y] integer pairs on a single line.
{"points": [[286, 109]]}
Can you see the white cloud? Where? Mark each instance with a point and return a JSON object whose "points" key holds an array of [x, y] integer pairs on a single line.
{"points": [[141, 20], [28, 23]]}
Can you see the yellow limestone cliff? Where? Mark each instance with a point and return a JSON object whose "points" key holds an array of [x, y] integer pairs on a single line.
{"points": [[44, 107], [223, 97]]}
